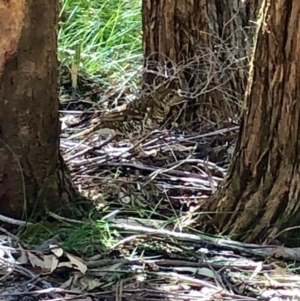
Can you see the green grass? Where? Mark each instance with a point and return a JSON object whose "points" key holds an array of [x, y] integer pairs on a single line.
{"points": [[102, 37]]}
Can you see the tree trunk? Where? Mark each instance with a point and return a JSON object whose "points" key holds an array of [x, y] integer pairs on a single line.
{"points": [[32, 172], [259, 200], [202, 47]]}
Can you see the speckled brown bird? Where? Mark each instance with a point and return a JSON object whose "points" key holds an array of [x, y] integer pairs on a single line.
{"points": [[139, 116]]}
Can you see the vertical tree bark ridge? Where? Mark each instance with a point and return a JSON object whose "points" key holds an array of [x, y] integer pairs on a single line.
{"points": [[167, 26], [217, 35], [259, 200], [31, 169]]}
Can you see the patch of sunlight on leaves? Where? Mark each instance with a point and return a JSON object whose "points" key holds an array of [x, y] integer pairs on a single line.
{"points": [[109, 34], [88, 238]]}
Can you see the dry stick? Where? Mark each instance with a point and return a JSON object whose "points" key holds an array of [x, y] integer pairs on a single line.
{"points": [[10, 234], [134, 146], [64, 219], [13, 221], [87, 149], [85, 132], [260, 250]]}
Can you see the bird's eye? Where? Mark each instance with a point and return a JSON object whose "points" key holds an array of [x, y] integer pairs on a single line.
{"points": [[171, 95]]}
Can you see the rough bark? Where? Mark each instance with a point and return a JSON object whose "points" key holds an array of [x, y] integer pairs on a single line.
{"points": [[32, 172], [206, 44], [259, 200]]}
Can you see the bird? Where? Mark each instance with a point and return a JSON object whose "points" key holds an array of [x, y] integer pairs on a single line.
{"points": [[139, 116]]}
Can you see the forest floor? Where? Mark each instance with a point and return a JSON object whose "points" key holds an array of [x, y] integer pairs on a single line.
{"points": [[141, 241], [150, 196]]}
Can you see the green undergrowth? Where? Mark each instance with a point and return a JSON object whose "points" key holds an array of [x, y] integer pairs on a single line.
{"points": [[92, 238], [90, 235], [88, 238], [101, 37]]}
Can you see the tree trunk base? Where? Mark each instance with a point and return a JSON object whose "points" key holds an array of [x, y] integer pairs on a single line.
{"points": [[258, 208]]}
